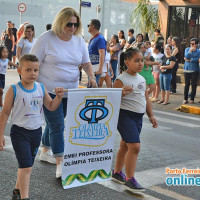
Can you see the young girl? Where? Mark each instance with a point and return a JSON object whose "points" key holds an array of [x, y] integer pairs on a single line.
{"points": [[147, 74], [26, 99], [156, 72], [135, 101], [107, 70], [4, 62], [168, 63]]}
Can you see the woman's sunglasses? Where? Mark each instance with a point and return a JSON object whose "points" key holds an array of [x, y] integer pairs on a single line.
{"points": [[69, 25]]}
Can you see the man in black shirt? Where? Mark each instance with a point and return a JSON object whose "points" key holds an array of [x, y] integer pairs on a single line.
{"points": [[131, 38]]}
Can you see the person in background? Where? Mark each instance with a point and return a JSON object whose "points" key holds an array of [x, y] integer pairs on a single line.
{"points": [[96, 48], [169, 41], [146, 71], [122, 39], [9, 41], [191, 70], [4, 62], [114, 52], [20, 31], [145, 36], [131, 39], [107, 70], [159, 39], [139, 39], [48, 27], [27, 41], [14, 30], [60, 52], [148, 52], [168, 62], [176, 53], [156, 72]]}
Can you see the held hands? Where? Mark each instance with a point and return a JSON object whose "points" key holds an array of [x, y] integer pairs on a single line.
{"points": [[59, 92], [154, 122], [2, 142], [126, 90], [162, 69]]}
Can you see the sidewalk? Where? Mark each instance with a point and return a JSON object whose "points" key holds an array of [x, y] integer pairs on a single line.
{"points": [[175, 99]]}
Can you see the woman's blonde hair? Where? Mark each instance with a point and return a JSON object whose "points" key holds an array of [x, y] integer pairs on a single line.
{"points": [[62, 18]]}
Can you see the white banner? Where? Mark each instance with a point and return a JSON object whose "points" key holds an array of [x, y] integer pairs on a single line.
{"points": [[91, 125]]}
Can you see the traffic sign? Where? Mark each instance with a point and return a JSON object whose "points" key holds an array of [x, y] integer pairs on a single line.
{"points": [[86, 4], [22, 7]]}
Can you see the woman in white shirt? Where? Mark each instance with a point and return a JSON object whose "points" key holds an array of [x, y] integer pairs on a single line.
{"points": [[26, 42], [60, 52]]}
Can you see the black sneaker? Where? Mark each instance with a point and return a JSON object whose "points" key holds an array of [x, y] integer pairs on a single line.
{"points": [[133, 186], [16, 195], [118, 177]]}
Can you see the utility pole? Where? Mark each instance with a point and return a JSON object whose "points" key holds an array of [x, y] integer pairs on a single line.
{"points": [[80, 8]]}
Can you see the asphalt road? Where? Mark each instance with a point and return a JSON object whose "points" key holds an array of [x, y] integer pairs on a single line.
{"points": [[174, 144]]}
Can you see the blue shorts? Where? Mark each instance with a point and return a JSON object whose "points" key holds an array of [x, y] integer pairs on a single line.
{"points": [[165, 81], [14, 52], [2, 81], [25, 144], [130, 126]]}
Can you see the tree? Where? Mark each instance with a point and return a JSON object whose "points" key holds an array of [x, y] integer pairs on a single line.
{"points": [[145, 16]]}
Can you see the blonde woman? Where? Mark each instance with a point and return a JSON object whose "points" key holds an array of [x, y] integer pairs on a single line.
{"points": [[60, 52], [26, 42]]}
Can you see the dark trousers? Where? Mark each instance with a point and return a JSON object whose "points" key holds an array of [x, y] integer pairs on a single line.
{"points": [[190, 78], [173, 81]]}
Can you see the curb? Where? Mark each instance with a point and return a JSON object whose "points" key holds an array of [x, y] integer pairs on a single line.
{"points": [[189, 109]]}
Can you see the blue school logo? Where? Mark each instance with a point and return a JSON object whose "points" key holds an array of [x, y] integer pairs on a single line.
{"points": [[94, 105], [92, 116]]}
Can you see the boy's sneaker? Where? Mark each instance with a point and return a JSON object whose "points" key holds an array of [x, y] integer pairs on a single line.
{"points": [[133, 186], [47, 157], [16, 195], [59, 170], [118, 177]]}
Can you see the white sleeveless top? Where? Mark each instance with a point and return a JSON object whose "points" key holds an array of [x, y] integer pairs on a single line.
{"points": [[27, 111], [3, 66], [136, 100]]}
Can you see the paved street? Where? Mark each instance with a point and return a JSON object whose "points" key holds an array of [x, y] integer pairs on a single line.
{"points": [[174, 144]]}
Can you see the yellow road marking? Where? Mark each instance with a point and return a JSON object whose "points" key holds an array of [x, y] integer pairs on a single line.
{"points": [[169, 193]]}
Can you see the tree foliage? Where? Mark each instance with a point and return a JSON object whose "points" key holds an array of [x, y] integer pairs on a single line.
{"points": [[145, 16]]}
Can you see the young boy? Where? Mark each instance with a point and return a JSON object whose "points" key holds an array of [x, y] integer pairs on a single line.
{"points": [[26, 100], [148, 52]]}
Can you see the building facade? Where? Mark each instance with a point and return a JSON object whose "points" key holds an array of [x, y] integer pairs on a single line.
{"points": [[113, 14], [180, 18]]}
